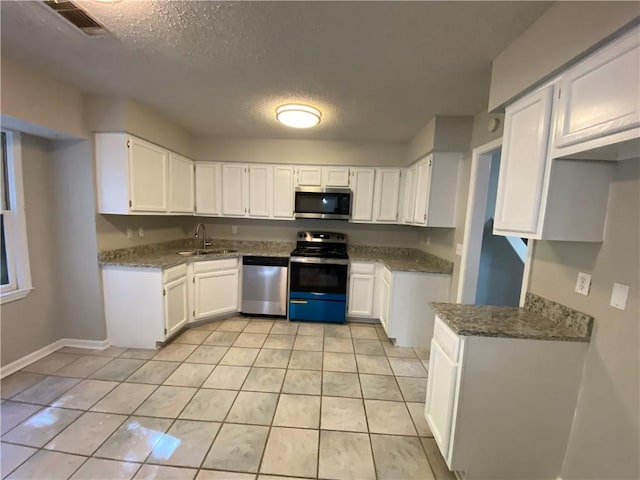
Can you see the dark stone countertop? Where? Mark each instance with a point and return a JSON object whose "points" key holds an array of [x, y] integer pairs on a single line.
{"points": [[164, 255], [540, 319]]}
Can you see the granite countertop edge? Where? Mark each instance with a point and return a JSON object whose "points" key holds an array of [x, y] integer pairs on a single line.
{"points": [[397, 260], [517, 323]]}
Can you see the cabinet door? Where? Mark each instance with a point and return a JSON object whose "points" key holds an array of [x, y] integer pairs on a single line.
{"points": [[335, 177], [260, 190], [522, 166], [208, 188], [441, 394], [234, 190], [362, 184], [181, 191], [600, 96], [385, 305], [409, 196], [361, 295], [387, 194], [423, 182], [309, 176], [175, 305], [148, 170], [215, 293], [283, 192]]}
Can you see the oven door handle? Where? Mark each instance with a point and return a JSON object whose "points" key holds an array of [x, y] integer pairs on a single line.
{"points": [[320, 260]]}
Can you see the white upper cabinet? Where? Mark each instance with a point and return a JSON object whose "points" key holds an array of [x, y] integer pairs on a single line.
{"points": [[326, 177], [541, 197], [181, 184], [601, 95], [431, 190], [234, 190], [423, 183], [247, 190], [522, 165], [387, 193], [362, 184], [208, 178], [409, 203], [148, 176], [283, 191], [335, 177], [136, 177], [309, 176], [260, 190]]}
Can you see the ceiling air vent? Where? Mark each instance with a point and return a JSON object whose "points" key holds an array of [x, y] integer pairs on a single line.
{"points": [[77, 17]]}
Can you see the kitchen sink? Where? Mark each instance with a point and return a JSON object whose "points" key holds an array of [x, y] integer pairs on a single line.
{"points": [[197, 252]]}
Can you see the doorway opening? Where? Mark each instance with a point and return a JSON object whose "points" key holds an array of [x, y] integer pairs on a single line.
{"points": [[493, 267]]}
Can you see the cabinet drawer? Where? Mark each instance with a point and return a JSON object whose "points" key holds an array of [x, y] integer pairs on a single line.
{"points": [[213, 265], [174, 273], [447, 339], [362, 267]]}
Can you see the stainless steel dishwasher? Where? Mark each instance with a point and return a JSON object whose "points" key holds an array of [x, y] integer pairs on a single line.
{"points": [[264, 285]]}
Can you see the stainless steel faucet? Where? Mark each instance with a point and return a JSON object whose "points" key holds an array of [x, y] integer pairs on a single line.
{"points": [[205, 244]]}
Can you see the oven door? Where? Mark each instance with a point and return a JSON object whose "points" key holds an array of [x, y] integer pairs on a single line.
{"points": [[318, 290]]}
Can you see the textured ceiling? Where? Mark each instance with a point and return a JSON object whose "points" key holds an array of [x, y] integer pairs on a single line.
{"points": [[377, 70]]}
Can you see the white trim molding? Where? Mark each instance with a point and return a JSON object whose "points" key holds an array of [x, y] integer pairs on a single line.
{"points": [[474, 222], [49, 349], [16, 236]]}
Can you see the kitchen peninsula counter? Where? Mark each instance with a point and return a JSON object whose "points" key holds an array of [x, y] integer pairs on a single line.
{"points": [[540, 319]]}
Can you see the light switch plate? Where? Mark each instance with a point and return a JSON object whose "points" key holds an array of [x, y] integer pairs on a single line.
{"points": [[140, 232], [583, 283], [234, 229], [619, 294], [129, 233], [459, 249]]}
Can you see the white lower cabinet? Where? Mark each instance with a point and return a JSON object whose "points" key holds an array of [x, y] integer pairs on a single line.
{"points": [[144, 306], [215, 288], [361, 289], [404, 299], [502, 408]]}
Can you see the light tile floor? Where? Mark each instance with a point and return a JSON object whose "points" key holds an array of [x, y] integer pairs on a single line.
{"points": [[242, 398]]}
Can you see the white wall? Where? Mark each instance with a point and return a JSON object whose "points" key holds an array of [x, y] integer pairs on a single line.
{"points": [[300, 151], [285, 231], [78, 287], [442, 241], [106, 114], [38, 104], [605, 437], [563, 32], [35, 321]]}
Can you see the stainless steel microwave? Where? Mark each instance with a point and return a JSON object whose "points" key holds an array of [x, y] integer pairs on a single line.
{"points": [[327, 203]]}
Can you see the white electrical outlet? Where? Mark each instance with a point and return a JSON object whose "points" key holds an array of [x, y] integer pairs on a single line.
{"points": [[234, 229], [129, 232], [619, 294], [583, 283], [428, 240], [459, 249], [140, 232]]}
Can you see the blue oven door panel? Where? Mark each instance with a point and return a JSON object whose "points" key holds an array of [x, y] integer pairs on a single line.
{"points": [[318, 307]]}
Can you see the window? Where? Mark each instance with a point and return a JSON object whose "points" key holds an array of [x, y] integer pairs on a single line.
{"points": [[15, 274]]}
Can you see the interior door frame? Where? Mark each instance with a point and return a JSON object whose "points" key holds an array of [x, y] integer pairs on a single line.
{"points": [[474, 224]]}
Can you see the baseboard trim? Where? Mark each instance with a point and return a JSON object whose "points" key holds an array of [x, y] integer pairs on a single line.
{"points": [[49, 349]]}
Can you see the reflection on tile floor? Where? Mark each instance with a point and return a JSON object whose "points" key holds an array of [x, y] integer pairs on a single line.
{"points": [[242, 398]]}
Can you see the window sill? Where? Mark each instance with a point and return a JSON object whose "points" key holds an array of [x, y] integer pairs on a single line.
{"points": [[14, 295]]}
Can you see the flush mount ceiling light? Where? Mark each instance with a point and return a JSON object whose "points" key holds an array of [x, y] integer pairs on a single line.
{"points": [[298, 116]]}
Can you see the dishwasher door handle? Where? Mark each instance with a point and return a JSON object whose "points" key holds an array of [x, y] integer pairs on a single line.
{"points": [[299, 301]]}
